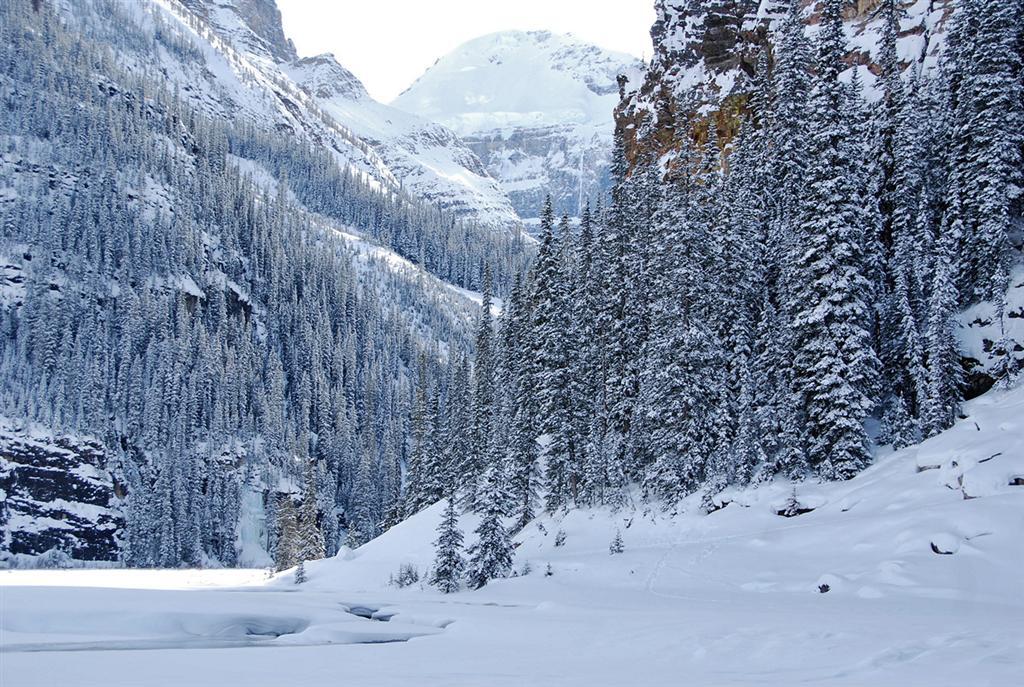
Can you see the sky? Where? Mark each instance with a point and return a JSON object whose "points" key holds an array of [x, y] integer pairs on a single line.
{"points": [[388, 44]]}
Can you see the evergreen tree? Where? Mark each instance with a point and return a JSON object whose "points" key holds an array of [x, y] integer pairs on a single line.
{"points": [[309, 537], [481, 446], [449, 563], [491, 555], [835, 361], [945, 374], [286, 549], [987, 135]]}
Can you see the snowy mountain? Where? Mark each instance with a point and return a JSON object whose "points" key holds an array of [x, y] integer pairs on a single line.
{"points": [[252, 26], [535, 106], [176, 211], [424, 159], [240, 64], [429, 160]]}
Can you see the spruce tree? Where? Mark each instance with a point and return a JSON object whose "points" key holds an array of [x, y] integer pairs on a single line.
{"points": [[835, 360], [286, 547], [944, 371], [310, 538], [449, 563], [491, 555], [481, 439]]}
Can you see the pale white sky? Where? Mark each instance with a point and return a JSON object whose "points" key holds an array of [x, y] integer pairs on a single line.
{"points": [[389, 43]]}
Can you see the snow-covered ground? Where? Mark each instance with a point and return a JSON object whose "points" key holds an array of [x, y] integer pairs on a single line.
{"points": [[909, 574]]}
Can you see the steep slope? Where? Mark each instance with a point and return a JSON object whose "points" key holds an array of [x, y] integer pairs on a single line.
{"points": [[429, 160], [232, 59], [253, 26], [535, 106], [426, 161], [166, 299], [706, 54], [224, 68]]}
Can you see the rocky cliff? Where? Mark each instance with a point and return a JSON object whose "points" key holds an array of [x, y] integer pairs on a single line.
{"points": [[57, 493], [706, 54], [253, 26]]}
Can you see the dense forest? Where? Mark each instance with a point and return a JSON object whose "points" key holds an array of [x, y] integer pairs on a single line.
{"points": [[208, 325], [745, 311], [771, 299]]}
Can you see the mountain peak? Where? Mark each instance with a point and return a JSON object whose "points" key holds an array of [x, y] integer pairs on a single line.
{"points": [[510, 78]]}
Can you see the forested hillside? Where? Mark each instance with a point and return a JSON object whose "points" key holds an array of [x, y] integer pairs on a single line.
{"points": [[773, 307], [224, 339], [201, 298]]}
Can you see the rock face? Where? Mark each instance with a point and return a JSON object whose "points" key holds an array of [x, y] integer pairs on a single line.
{"points": [[57, 493], [534, 106], [254, 26], [688, 32], [705, 52]]}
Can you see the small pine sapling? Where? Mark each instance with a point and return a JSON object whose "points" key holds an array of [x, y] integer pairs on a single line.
{"points": [[617, 545]]}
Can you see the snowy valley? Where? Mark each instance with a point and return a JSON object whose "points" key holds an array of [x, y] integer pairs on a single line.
{"points": [[906, 575], [563, 368]]}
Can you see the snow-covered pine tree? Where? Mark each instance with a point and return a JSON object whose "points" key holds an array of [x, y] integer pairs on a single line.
{"points": [[522, 451], [602, 473], [286, 547], [417, 477], [681, 403], [887, 112], [582, 373], [614, 409], [1005, 368], [362, 519], [835, 362], [310, 538], [484, 401], [457, 443], [617, 546], [988, 117], [945, 373], [491, 555], [449, 563]]}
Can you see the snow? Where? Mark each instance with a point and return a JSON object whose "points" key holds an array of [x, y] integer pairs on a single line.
{"points": [[901, 576], [236, 79], [132, 579], [920, 43], [535, 106], [514, 79], [980, 326]]}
